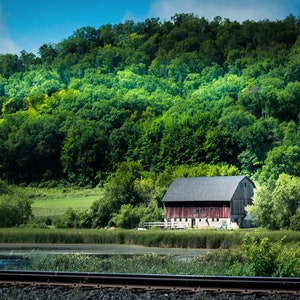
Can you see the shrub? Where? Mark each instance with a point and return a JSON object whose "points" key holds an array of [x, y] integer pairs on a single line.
{"points": [[70, 219], [270, 259], [15, 209], [295, 221]]}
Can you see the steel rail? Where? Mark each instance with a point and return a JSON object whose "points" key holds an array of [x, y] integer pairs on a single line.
{"points": [[177, 282]]}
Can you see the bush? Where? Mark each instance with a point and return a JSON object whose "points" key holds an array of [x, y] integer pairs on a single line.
{"points": [[295, 221], [15, 209], [39, 222], [4, 189], [70, 219], [270, 259]]}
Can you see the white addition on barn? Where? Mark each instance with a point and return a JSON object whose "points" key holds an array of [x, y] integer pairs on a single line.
{"points": [[208, 202]]}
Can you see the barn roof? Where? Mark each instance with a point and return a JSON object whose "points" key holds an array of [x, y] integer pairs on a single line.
{"points": [[217, 188]]}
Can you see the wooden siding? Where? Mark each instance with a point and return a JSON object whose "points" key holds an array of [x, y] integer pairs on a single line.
{"points": [[208, 210], [241, 198]]}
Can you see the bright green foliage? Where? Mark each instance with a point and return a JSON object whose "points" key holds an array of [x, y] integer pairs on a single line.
{"points": [[270, 259], [282, 159], [73, 219], [286, 199], [118, 190], [262, 208], [69, 219], [274, 207], [4, 189], [83, 151], [131, 217], [295, 220], [15, 209], [184, 91], [127, 217]]}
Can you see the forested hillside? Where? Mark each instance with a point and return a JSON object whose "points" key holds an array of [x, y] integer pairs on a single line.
{"points": [[156, 95]]}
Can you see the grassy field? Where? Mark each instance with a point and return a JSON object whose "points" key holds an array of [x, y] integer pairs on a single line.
{"points": [[55, 201]]}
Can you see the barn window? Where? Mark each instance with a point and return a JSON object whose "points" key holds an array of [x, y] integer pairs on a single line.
{"points": [[245, 184]]}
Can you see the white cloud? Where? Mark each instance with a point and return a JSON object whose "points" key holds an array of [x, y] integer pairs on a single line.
{"points": [[129, 16], [7, 45], [239, 10]]}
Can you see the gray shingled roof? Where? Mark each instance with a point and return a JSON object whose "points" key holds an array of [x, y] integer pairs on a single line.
{"points": [[218, 188]]}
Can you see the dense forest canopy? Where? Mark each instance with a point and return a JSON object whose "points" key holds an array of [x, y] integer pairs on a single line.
{"points": [[188, 91]]}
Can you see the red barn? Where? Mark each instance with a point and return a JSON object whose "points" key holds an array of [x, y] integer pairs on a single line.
{"points": [[197, 202]]}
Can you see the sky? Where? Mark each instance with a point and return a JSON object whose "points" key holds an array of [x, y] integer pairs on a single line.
{"points": [[28, 24]]}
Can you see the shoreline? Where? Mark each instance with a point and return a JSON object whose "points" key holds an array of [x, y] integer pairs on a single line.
{"points": [[94, 249]]}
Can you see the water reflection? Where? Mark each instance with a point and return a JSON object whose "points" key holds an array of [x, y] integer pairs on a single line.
{"points": [[14, 262]]}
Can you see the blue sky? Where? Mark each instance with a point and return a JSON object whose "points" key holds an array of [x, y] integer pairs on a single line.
{"points": [[28, 24]]}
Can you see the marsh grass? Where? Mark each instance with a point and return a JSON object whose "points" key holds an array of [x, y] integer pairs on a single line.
{"points": [[216, 263], [209, 239]]}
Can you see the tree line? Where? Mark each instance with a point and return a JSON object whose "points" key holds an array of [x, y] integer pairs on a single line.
{"points": [[185, 92]]}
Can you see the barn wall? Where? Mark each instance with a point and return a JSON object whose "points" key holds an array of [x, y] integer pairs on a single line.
{"points": [[241, 198], [197, 210]]}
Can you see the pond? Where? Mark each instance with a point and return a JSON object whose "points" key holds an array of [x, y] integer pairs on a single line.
{"points": [[14, 262], [23, 256]]}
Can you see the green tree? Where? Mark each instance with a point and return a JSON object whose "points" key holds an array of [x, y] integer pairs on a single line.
{"points": [[127, 217], [262, 209], [72, 218], [286, 199], [32, 145], [295, 221], [15, 209], [119, 189], [255, 140], [274, 208], [132, 217], [69, 219], [48, 52], [9, 64], [84, 151], [289, 102], [101, 212], [281, 159]]}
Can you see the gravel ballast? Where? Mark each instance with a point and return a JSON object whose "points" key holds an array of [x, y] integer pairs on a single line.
{"points": [[77, 293]]}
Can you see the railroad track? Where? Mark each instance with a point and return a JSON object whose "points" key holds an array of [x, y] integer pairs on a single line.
{"points": [[269, 285]]}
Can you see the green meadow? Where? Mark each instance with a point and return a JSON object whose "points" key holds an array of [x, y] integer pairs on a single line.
{"points": [[55, 201]]}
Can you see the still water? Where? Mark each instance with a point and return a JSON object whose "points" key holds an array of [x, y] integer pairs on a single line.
{"points": [[23, 256], [12, 262]]}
